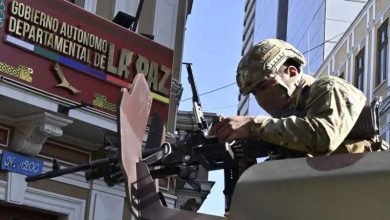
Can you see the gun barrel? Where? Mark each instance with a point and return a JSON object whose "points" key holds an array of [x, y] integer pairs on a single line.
{"points": [[197, 106], [73, 169], [191, 80]]}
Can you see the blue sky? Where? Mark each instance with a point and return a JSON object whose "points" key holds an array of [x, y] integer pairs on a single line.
{"points": [[213, 40]]}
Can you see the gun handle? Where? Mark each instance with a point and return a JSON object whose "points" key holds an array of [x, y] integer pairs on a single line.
{"points": [[231, 178]]}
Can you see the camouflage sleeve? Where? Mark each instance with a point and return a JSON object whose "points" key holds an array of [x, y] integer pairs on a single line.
{"points": [[333, 107]]}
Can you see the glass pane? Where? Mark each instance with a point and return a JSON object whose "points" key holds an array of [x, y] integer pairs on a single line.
{"points": [[384, 63], [383, 37]]}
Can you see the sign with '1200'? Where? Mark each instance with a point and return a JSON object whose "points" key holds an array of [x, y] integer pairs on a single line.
{"points": [[21, 164]]}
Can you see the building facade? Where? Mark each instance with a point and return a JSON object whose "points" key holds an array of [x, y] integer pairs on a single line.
{"points": [[361, 56], [164, 20], [41, 118], [312, 26]]}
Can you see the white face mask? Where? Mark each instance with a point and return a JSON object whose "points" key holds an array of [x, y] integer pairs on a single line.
{"points": [[290, 89]]}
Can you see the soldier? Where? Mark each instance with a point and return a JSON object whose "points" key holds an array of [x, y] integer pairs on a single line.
{"points": [[310, 116]]}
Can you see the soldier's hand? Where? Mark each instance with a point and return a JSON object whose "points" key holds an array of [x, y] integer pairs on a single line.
{"points": [[231, 128]]}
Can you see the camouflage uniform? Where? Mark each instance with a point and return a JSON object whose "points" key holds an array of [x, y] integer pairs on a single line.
{"points": [[322, 116], [321, 113]]}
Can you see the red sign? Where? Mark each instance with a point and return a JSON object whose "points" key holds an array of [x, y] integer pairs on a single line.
{"points": [[67, 52]]}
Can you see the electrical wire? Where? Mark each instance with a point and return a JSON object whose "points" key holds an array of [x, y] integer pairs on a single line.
{"points": [[208, 92], [311, 22], [313, 48], [222, 107], [222, 87]]}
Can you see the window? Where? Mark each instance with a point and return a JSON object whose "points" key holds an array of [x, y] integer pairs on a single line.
{"points": [[382, 42], [359, 69], [4, 136]]}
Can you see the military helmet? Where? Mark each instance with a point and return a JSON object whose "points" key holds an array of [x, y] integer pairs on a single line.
{"points": [[262, 60]]}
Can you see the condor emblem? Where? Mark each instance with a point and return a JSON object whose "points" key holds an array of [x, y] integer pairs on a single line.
{"points": [[63, 81]]}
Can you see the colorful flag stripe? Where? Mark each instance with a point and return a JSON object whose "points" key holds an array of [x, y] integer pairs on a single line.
{"points": [[75, 65]]}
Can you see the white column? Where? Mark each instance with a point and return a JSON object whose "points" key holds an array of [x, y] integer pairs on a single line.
{"points": [[366, 67], [127, 6], [373, 51], [90, 5], [165, 22]]}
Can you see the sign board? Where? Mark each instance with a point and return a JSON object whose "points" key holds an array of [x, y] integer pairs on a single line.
{"points": [[21, 164], [59, 49]]}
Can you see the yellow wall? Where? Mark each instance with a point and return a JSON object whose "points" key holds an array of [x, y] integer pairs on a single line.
{"points": [[340, 55], [380, 6], [343, 69], [360, 29]]}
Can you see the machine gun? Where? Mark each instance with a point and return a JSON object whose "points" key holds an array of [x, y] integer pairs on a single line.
{"points": [[181, 159], [196, 148], [106, 168]]}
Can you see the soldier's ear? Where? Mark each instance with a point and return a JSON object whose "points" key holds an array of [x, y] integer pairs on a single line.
{"points": [[292, 70]]}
